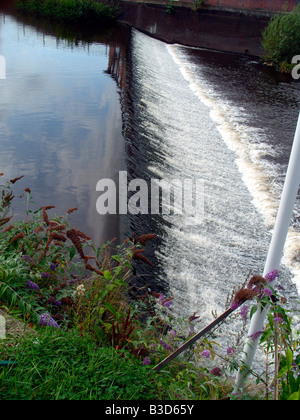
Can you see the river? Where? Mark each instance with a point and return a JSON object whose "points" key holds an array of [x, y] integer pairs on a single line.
{"points": [[77, 108]]}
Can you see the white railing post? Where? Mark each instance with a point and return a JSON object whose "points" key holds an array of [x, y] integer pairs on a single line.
{"points": [[284, 215]]}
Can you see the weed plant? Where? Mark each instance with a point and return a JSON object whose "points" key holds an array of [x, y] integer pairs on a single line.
{"points": [[170, 7]]}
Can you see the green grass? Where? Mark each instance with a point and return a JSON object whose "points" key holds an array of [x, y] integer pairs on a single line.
{"points": [[67, 365], [64, 365]]}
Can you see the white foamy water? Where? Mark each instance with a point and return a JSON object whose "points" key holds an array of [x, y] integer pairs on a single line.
{"points": [[251, 147], [189, 129]]}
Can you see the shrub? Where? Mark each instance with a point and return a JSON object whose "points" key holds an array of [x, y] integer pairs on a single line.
{"points": [[45, 271], [281, 38]]}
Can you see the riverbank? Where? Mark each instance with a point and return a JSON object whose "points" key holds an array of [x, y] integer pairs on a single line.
{"points": [[98, 349], [83, 334], [213, 27], [210, 27]]}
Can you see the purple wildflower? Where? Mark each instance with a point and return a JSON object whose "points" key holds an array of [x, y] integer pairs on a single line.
{"points": [[146, 361], [256, 335], [53, 266], [166, 302], [45, 275], [266, 292], [31, 285], [47, 320], [278, 320], [161, 298], [244, 312], [172, 332], [234, 305], [27, 258], [191, 329], [166, 346], [205, 353], [272, 275], [230, 351]]}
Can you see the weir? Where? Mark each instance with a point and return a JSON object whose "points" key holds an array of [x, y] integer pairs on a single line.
{"points": [[186, 113], [190, 115]]}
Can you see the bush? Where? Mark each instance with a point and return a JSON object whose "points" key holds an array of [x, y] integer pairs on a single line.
{"points": [[281, 38], [44, 270]]}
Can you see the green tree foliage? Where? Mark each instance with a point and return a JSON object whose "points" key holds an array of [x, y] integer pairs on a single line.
{"points": [[281, 38]]}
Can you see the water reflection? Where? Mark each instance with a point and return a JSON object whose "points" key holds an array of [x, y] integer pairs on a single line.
{"points": [[60, 116]]}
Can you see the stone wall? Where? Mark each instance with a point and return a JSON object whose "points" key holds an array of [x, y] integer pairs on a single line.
{"points": [[214, 29], [268, 5]]}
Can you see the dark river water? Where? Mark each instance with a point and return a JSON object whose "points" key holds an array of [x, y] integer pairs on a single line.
{"points": [[76, 108]]}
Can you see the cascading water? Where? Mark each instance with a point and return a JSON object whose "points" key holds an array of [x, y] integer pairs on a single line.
{"points": [[208, 115], [187, 114]]}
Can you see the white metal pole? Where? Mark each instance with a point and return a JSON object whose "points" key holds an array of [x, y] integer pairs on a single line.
{"points": [[284, 215]]}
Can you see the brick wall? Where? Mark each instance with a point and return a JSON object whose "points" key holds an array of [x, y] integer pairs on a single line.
{"points": [[269, 5], [265, 5]]}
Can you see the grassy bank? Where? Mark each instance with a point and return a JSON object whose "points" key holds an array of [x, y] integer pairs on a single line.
{"points": [[69, 11], [89, 335], [86, 335]]}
